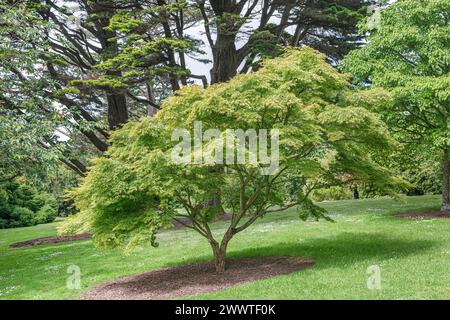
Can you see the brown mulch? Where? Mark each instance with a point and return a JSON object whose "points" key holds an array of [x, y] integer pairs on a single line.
{"points": [[195, 278], [48, 240], [431, 214]]}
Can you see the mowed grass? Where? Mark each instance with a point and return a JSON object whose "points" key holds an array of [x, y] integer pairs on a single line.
{"points": [[413, 255]]}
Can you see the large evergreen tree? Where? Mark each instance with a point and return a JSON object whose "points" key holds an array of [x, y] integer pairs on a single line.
{"points": [[239, 33], [45, 48]]}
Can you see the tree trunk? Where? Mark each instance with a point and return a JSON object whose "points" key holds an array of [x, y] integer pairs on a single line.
{"points": [[219, 261], [117, 101], [355, 192], [220, 252], [445, 181], [151, 110], [117, 110], [225, 58]]}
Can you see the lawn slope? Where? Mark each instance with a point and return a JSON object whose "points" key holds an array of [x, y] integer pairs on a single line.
{"points": [[414, 255]]}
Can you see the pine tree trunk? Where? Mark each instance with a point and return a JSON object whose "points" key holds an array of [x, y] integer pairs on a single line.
{"points": [[225, 58], [117, 110], [117, 101], [445, 181]]}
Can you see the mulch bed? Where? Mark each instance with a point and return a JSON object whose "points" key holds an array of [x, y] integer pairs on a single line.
{"points": [[48, 240], [431, 214], [195, 278]]}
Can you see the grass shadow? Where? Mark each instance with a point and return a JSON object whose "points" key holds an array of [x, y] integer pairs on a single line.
{"points": [[342, 249], [339, 250]]}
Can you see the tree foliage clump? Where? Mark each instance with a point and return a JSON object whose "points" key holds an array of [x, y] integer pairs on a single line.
{"points": [[22, 205], [72, 70], [326, 133], [409, 55]]}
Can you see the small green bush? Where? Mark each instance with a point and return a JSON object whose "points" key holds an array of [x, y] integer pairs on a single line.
{"points": [[22, 205], [37, 201], [332, 193], [21, 217], [47, 213]]}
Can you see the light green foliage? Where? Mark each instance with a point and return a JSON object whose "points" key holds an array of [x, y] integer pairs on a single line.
{"points": [[423, 169], [410, 55], [326, 138]]}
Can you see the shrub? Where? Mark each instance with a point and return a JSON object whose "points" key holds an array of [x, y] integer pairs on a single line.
{"points": [[3, 223], [37, 201], [48, 211], [21, 217], [332, 193], [45, 215], [22, 205], [426, 179]]}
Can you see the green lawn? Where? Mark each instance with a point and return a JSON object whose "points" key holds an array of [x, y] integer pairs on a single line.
{"points": [[414, 256]]}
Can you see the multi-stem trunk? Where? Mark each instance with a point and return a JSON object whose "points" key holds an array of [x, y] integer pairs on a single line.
{"points": [[219, 260], [445, 181], [220, 252]]}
